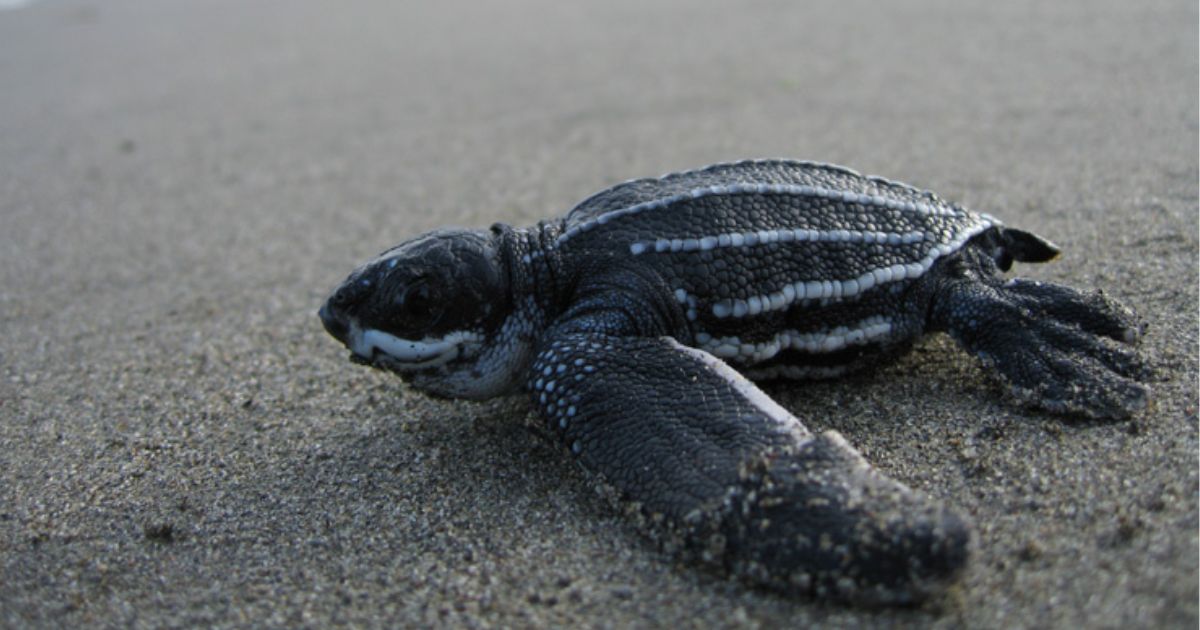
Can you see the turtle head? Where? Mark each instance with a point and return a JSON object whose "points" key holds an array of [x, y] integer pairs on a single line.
{"points": [[432, 310]]}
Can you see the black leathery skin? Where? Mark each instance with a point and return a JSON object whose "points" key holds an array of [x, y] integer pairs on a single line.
{"points": [[819, 519], [655, 425], [1055, 348], [702, 463], [460, 265], [613, 315], [741, 272], [1023, 246]]}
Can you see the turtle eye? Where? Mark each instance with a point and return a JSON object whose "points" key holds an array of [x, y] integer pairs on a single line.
{"points": [[420, 305]]}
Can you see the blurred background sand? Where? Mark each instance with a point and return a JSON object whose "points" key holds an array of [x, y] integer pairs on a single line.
{"points": [[182, 182]]}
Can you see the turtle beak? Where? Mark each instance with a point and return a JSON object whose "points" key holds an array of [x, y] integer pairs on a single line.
{"points": [[338, 326], [334, 323]]}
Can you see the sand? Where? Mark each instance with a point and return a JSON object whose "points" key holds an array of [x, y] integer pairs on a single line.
{"points": [[182, 183]]}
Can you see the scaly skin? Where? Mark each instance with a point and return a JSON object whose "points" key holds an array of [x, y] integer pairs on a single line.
{"points": [[633, 322]]}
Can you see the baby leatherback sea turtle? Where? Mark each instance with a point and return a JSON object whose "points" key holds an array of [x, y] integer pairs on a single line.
{"points": [[636, 322]]}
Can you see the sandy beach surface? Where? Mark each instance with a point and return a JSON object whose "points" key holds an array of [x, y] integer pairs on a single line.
{"points": [[181, 183]]}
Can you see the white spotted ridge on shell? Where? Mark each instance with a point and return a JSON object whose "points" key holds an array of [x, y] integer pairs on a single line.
{"points": [[639, 320]]}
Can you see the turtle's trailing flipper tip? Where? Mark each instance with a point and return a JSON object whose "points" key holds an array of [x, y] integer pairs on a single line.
{"points": [[821, 521], [1028, 247]]}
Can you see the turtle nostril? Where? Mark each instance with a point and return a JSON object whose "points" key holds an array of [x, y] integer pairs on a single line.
{"points": [[335, 325]]}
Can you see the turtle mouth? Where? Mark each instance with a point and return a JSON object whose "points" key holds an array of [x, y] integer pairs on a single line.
{"points": [[381, 349]]}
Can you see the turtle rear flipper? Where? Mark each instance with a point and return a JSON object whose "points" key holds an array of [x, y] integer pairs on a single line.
{"points": [[734, 478], [1056, 348]]}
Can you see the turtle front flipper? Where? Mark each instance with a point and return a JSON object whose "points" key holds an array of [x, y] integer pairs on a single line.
{"points": [[1056, 348], [719, 468]]}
